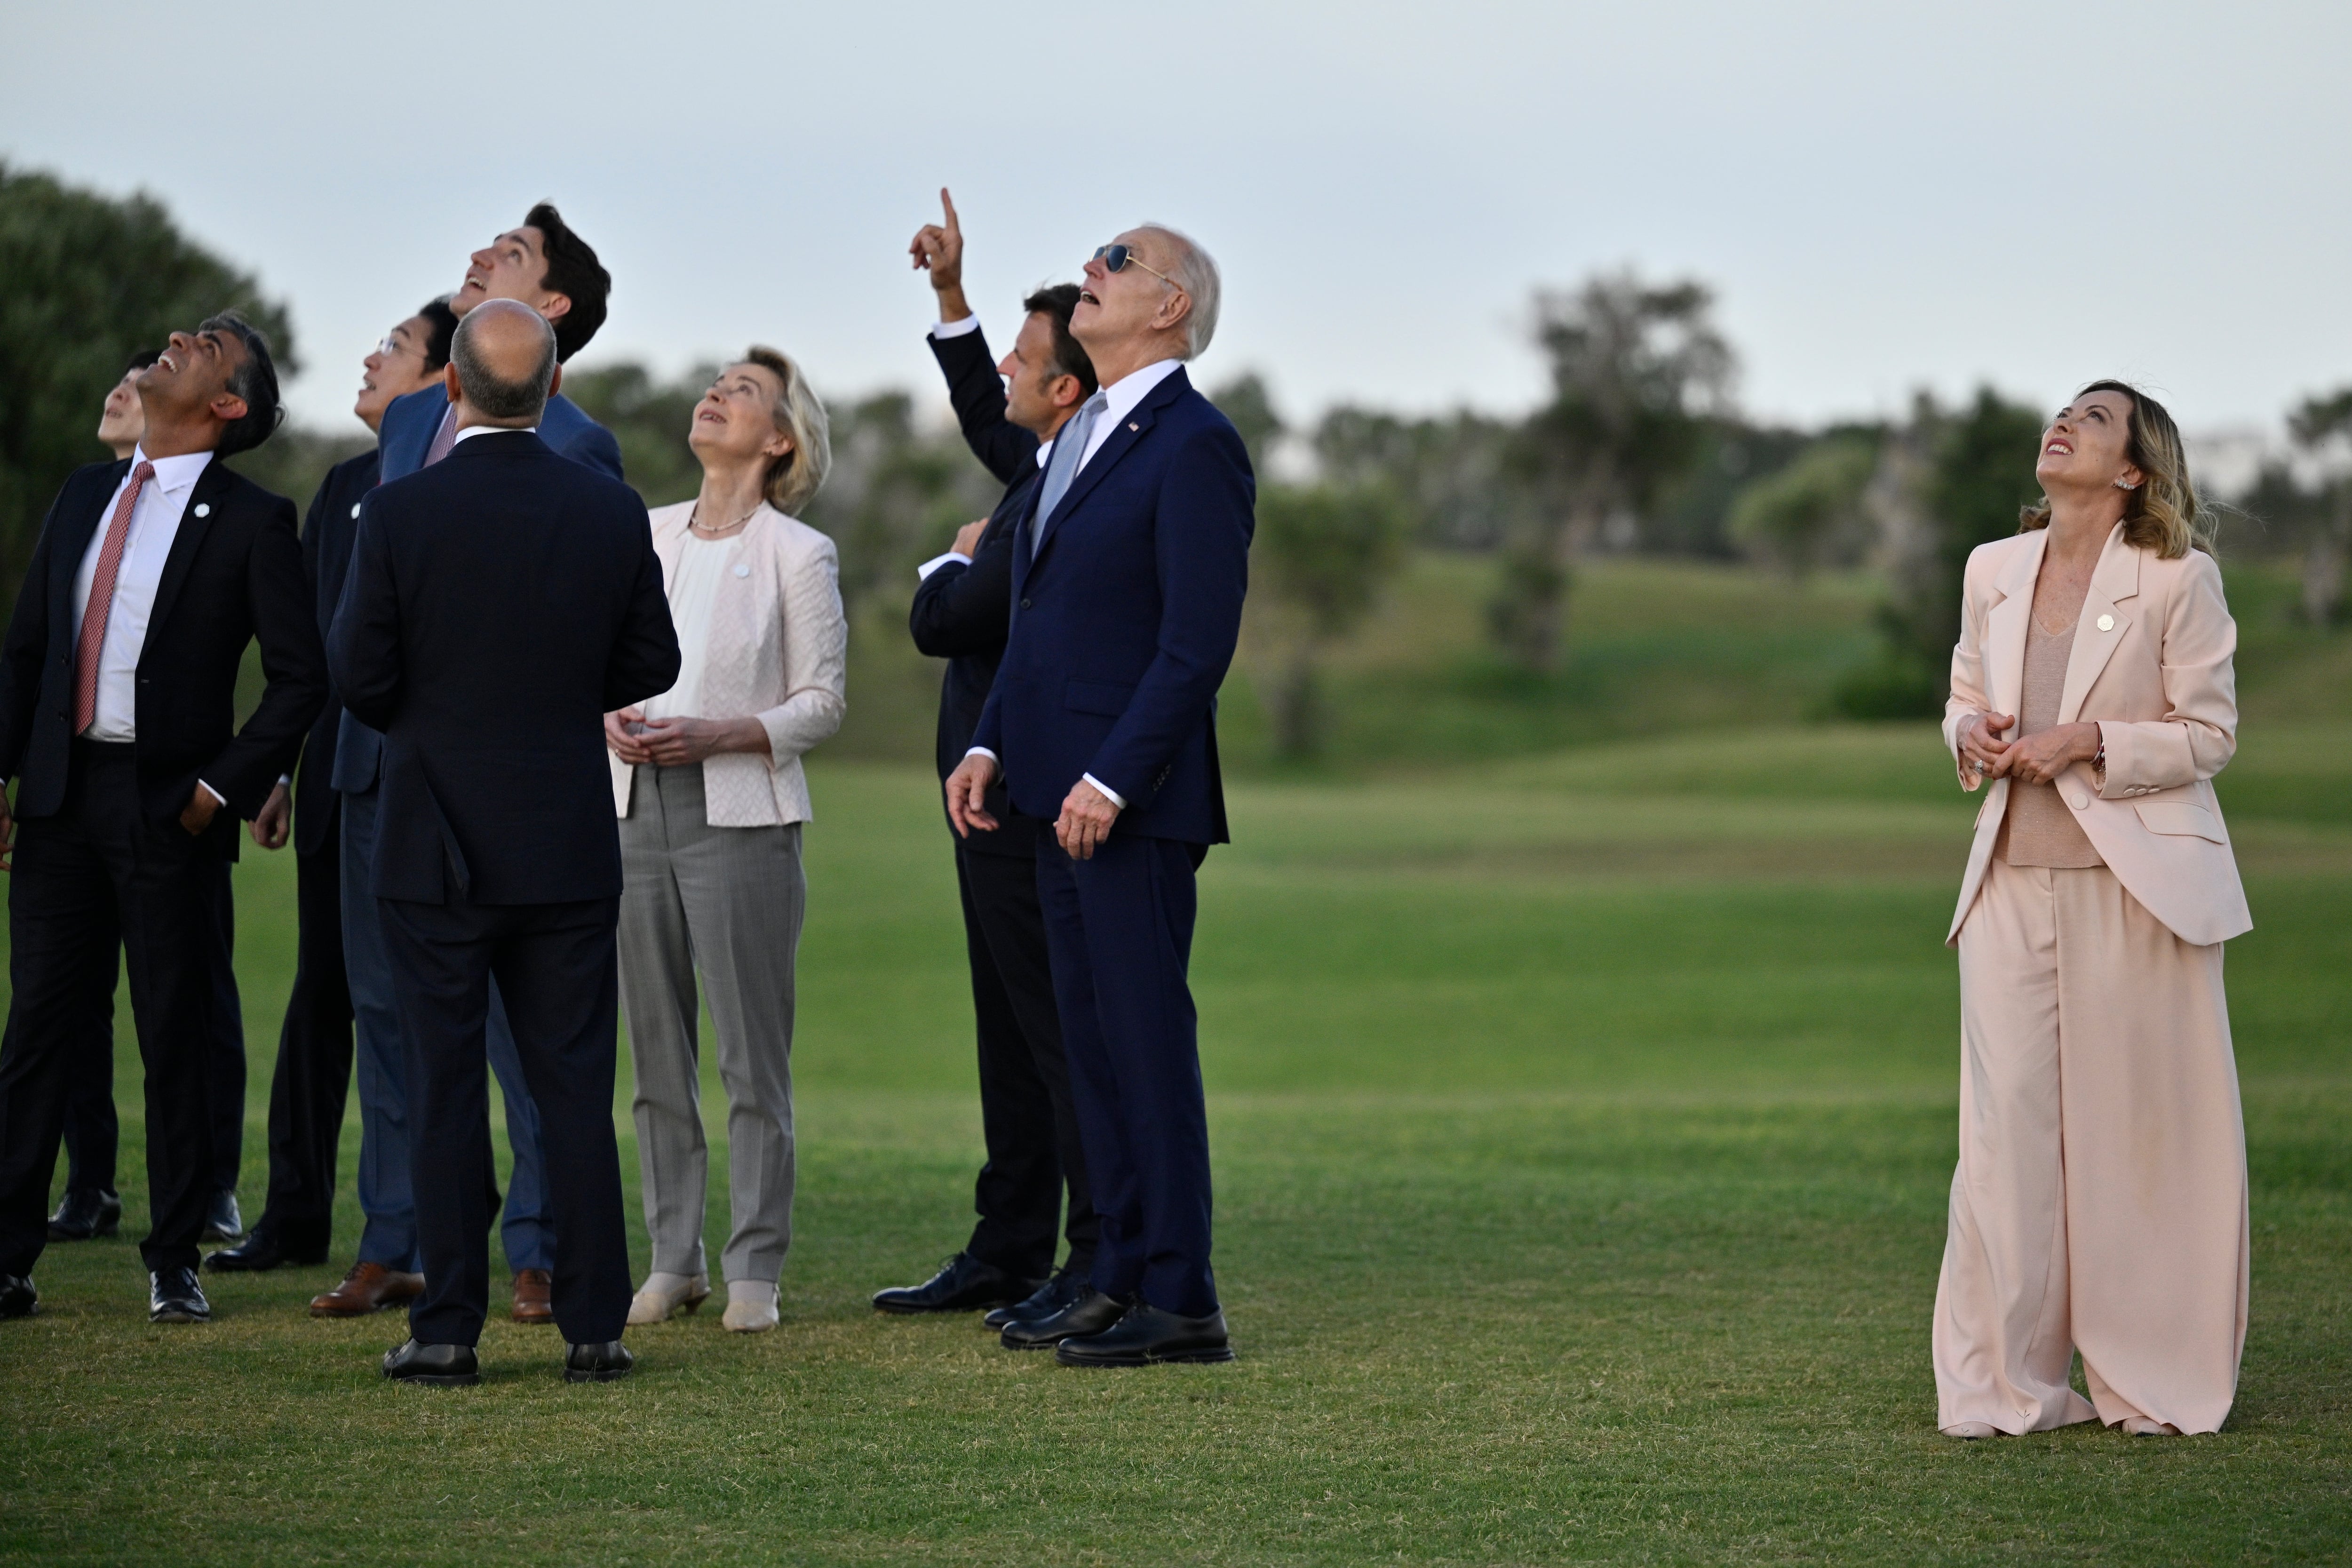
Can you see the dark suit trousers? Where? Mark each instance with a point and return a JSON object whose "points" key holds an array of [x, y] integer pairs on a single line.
{"points": [[1120, 928], [313, 1076], [93, 1134], [1026, 1114], [97, 873], [557, 969]]}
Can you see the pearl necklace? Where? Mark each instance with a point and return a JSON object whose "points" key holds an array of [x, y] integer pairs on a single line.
{"points": [[693, 523]]}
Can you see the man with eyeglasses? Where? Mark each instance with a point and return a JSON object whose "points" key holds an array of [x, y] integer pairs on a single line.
{"points": [[313, 1078], [1128, 576]]}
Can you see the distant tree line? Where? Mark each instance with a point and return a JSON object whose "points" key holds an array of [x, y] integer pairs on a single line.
{"points": [[1639, 446]]}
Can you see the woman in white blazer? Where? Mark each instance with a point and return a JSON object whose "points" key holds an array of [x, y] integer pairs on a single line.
{"points": [[2099, 1203], [707, 781]]}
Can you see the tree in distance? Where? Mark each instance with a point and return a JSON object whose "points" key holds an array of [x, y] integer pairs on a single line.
{"points": [[86, 281], [1798, 517], [1637, 371], [1323, 555], [2322, 427]]}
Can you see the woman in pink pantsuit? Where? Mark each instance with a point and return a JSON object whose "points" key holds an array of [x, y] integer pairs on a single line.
{"points": [[2100, 1201]]}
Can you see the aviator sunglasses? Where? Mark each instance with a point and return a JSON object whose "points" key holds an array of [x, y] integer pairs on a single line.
{"points": [[1115, 259]]}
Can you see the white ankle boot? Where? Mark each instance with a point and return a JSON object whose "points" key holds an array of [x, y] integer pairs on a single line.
{"points": [[751, 1306], [664, 1294]]}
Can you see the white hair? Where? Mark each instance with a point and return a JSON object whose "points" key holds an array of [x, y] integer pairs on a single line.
{"points": [[1194, 271]]}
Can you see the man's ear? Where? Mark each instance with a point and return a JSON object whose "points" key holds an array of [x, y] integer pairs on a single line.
{"points": [[555, 382], [1173, 310], [228, 409], [449, 380], [555, 306], [1066, 390]]}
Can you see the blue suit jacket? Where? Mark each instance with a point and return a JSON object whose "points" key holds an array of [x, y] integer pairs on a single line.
{"points": [[402, 441], [1124, 622]]}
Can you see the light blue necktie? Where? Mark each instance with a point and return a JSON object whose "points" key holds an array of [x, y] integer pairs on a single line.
{"points": [[1069, 449]]}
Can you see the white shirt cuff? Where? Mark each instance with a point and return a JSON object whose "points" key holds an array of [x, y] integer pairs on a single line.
{"points": [[212, 792], [945, 330], [935, 562], [1109, 794], [984, 752]]}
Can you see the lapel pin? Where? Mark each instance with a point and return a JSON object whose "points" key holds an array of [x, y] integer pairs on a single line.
{"points": [[2106, 623], [355, 509], [1133, 426], [204, 508], [741, 570]]}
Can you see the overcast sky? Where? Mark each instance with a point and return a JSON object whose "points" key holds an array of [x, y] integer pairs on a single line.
{"points": [[1883, 195]]}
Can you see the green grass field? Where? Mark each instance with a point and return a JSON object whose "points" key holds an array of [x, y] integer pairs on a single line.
{"points": [[1582, 1125], [1582, 1071]]}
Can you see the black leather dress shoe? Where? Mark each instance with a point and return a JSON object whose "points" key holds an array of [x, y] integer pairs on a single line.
{"points": [[1048, 1298], [175, 1296], [597, 1364], [1091, 1313], [1147, 1335], [435, 1367], [86, 1212], [18, 1297], [962, 1283], [222, 1222], [262, 1251]]}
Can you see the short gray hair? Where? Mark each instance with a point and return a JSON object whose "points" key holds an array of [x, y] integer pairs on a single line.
{"points": [[492, 397], [1194, 271]]}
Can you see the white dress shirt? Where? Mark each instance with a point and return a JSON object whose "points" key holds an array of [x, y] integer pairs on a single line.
{"points": [[470, 431], [154, 524], [1119, 399]]}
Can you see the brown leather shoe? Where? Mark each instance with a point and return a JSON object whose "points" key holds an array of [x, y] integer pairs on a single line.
{"points": [[534, 1300], [368, 1288]]}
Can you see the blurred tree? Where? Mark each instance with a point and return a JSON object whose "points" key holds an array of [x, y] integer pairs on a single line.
{"points": [[895, 497], [1455, 475], [650, 419], [1946, 485], [1246, 402], [2323, 428], [1636, 370], [1321, 555], [85, 282], [1799, 517]]}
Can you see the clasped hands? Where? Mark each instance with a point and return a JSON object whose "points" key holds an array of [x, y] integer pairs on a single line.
{"points": [[1086, 813], [674, 742], [2038, 758]]}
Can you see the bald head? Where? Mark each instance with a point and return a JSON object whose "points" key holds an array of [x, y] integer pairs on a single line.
{"points": [[503, 359]]}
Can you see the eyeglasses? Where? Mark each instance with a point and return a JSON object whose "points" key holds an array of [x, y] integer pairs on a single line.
{"points": [[1115, 259], [392, 348]]}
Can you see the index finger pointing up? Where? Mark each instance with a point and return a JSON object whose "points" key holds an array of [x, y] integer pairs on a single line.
{"points": [[948, 202]]}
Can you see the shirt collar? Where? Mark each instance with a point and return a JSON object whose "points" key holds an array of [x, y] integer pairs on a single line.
{"points": [[473, 430], [174, 475], [1121, 395]]}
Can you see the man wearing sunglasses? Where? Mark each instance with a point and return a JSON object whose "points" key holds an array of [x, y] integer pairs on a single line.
{"points": [[1128, 576]]}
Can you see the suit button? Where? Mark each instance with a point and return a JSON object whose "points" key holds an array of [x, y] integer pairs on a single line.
{"points": [[2078, 801], [1025, 604]]}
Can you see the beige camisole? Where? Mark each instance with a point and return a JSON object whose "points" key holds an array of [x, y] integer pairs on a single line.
{"points": [[2039, 830]]}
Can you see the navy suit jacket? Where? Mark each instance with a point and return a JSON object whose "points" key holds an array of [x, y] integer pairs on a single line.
{"points": [[498, 605], [232, 577], [327, 534], [1124, 622], [961, 612], [403, 440]]}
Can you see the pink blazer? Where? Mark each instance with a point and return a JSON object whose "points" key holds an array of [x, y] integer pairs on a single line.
{"points": [[2151, 666]]}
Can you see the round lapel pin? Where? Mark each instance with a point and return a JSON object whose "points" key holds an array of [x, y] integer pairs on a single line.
{"points": [[355, 509], [204, 508], [2106, 623]]}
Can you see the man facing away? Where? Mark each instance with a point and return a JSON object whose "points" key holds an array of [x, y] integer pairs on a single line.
{"points": [[1009, 413], [1128, 586], [89, 1206], [118, 686], [498, 605], [313, 1074], [542, 264]]}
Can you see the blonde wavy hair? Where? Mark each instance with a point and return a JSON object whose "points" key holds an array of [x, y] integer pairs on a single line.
{"points": [[2163, 514], [796, 475]]}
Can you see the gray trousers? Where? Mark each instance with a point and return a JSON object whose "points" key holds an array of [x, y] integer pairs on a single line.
{"points": [[726, 902]]}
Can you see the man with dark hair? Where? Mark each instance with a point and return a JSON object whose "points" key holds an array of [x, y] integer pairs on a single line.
{"points": [[1010, 414], [313, 1078], [543, 265], [118, 684], [498, 605]]}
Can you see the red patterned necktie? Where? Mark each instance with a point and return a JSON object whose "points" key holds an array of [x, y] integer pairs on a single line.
{"points": [[101, 600], [442, 439]]}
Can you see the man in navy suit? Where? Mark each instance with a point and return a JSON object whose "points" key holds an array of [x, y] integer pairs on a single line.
{"points": [[1128, 585], [543, 265], [1011, 411], [497, 606]]}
